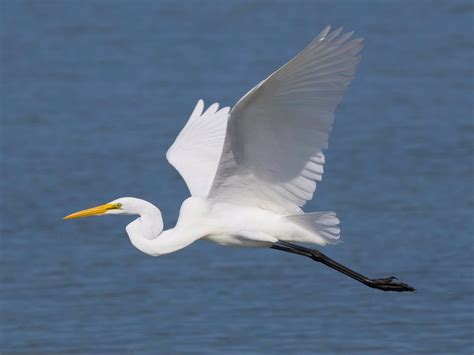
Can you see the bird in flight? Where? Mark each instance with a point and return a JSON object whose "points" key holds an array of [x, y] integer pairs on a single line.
{"points": [[251, 169]]}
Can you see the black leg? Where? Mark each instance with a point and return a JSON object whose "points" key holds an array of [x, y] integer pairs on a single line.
{"points": [[386, 284]]}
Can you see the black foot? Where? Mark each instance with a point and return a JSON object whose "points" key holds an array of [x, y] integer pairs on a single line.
{"points": [[389, 284]]}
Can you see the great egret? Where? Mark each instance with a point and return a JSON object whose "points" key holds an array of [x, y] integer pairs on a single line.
{"points": [[251, 169]]}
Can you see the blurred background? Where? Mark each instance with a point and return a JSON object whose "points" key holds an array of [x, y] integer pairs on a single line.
{"points": [[94, 92]]}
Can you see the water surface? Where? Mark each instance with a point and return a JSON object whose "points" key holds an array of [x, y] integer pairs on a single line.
{"points": [[93, 93]]}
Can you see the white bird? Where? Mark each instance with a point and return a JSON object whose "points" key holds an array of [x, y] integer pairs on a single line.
{"points": [[250, 170]]}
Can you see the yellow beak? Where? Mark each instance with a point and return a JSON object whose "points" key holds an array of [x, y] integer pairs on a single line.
{"points": [[94, 211]]}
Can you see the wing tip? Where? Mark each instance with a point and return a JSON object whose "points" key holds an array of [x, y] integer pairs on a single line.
{"points": [[211, 110], [324, 33], [198, 109], [338, 34]]}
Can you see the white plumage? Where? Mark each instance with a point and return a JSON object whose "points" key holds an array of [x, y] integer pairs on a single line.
{"points": [[276, 133], [251, 170], [197, 149]]}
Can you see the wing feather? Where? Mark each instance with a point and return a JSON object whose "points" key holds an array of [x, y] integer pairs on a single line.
{"points": [[196, 151], [276, 133]]}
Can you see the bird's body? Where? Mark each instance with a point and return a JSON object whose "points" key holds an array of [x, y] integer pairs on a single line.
{"points": [[219, 222], [250, 170]]}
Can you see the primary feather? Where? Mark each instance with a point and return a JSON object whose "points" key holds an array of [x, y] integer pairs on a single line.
{"points": [[272, 155], [196, 151]]}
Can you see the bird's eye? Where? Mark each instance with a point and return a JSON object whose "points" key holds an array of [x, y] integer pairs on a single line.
{"points": [[118, 205]]}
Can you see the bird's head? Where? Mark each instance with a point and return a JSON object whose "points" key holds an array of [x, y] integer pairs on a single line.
{"points": [[124, 205]]}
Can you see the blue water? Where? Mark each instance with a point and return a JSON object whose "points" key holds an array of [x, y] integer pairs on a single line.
{"points": [[93, 93]]}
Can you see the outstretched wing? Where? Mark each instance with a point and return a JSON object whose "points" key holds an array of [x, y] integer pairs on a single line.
{"points": [[272, 154], [196, 151]]}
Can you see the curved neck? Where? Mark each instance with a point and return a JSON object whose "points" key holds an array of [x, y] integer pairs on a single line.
{"points": [[147, 235], [146, 227]]}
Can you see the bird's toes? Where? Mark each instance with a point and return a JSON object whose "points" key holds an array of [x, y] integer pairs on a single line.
{"points": [[390, 284]]}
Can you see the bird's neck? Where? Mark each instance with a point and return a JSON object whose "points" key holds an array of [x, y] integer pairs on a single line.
{"points": [[146, 227], [146, 232], [147, 235]]}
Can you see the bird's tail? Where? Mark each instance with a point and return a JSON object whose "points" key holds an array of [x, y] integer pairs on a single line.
{"points": [[321, 227]]}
